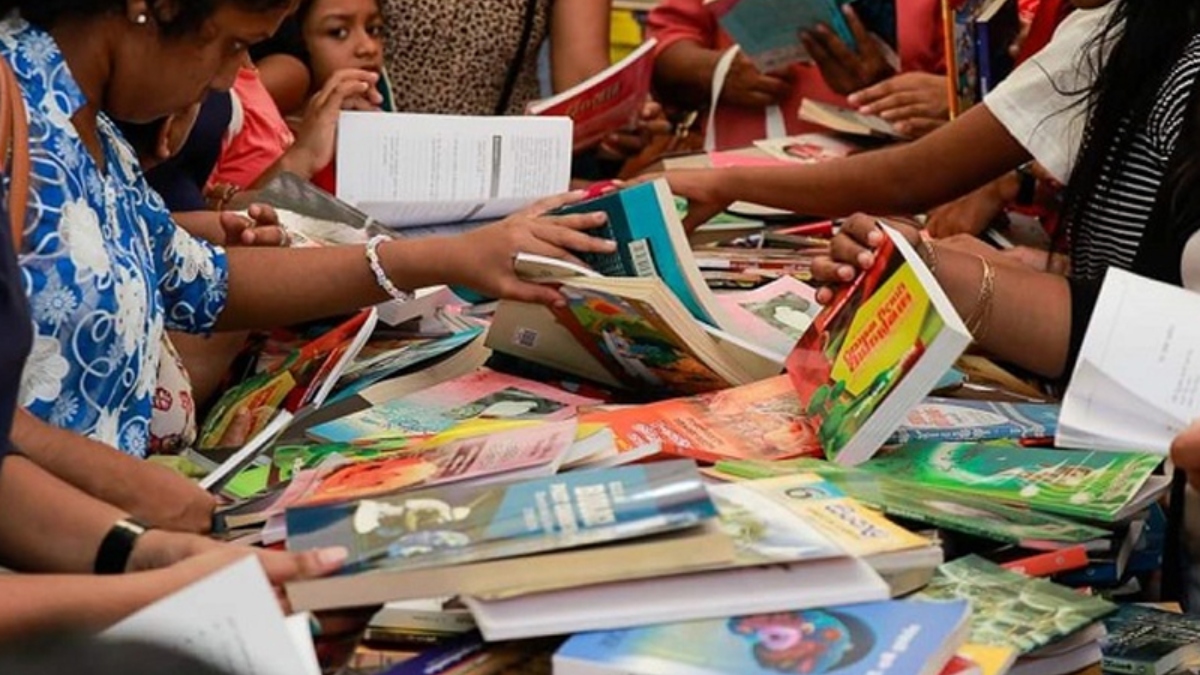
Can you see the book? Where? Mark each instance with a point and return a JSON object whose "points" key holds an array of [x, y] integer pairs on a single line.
{"points": [[774, 316], [992, 660], [608, 101], [1132, 387], [484, 394], [471, 655], [807, 148], [1102, 486], [899, 636], [1050, 563], [878, 348], [519, 537], [409, 169], [1148, 641], [847, 121], [1012, 610], [761, 420], [962, 57], [230, 619], [997, 27], [949, 420], [365, 372]]}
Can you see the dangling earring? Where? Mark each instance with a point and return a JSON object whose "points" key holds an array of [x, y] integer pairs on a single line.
{"points": [[141, 19]]}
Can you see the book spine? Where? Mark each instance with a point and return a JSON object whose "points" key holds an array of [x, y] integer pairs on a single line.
{"points": [[1046, 564], [983, 57], [1121, 666]]}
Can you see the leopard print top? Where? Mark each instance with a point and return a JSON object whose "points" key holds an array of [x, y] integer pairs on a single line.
{"points": [[452, 56]]}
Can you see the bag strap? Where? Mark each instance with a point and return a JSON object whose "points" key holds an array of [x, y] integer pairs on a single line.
{"points": [[518, 62], [14, 140]]}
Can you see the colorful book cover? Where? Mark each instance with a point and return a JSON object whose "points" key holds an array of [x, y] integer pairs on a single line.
{"points": [[367, 372], [774, 316], [1012, 610], [956, 512], [483, 395], [992, 660], [875, 351], [1078, 483], [465, 523], [949, 420], [964, 57], [768, 31], [755, 421], [1148, 641], [610, 101], [765, 531], [491, 456], [912, 638]]}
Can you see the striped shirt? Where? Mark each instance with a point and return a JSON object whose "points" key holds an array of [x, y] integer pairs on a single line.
{"points": [[1112, 222]]}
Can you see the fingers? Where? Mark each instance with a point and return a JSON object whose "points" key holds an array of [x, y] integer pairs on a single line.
{"points": [[579, 221], [834, 46], [848, 251], [547, 204], [651, 110], [263, 215], [829, 271], [284, 567], [553, 231], [861, 35]]}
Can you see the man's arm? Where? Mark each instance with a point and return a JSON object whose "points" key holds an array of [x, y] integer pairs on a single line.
{"points": [[151, 492]]}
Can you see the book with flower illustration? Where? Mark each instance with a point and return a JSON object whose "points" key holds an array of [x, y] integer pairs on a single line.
{"points": [[482, 395], [875, 351]]}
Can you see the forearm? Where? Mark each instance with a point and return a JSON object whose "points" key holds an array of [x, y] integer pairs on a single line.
{"points": [[903, 179], [43, 604], [579, 39], [683, 74], [204, 225], [48, 525]]}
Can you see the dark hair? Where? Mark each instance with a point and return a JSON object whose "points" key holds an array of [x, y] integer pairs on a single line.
{"points": [[174, 17], [1147, 38]]}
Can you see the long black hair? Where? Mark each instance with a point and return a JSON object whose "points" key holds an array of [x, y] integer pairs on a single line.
{"points": [[1146, 38], [174, 17]]}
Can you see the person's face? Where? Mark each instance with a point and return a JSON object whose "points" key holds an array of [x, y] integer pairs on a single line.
{"points": [[343, 34], [154, 76]]}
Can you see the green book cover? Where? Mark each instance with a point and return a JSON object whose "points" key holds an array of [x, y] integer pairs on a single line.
{"points": [[1078, 483], [1013, 610], [960, 513]]}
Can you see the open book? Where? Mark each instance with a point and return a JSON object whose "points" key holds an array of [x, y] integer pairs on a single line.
{"points": [[408, 170], [1135, 383], [610, 100], [847, 121]]}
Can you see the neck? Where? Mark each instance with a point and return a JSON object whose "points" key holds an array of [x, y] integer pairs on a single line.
{"points": [[85, 45]]}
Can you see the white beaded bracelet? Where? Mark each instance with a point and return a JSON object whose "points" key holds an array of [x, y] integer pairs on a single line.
{"points": [[381, 276]]}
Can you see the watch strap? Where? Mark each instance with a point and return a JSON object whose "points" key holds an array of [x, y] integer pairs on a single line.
{"points": [[117, 545], [1026, 187]]}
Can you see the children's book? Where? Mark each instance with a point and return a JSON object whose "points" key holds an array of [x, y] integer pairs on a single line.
{"points": [[1147, 641], [847, 121], [949, 420], [878, 348], [952, 511], [408, 169], [1103, 486], [484, 394], [367, 371], [1012, 610], [607, 102], [1134, 384], [532, 535], [914, 638], [774, 316], [754, 421]]}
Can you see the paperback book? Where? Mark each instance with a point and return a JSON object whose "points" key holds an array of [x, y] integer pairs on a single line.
{"points": [[1148, 641], [774, 316], [847, 121], [950, 420]]}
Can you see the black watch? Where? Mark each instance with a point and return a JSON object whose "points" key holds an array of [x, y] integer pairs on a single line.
{"points": [[115, 549], [1027, 185]]}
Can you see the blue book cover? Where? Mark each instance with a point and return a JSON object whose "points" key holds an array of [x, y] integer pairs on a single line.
{"points": [[470, 523], [900, 637], [949, 420], [1147, 641]]}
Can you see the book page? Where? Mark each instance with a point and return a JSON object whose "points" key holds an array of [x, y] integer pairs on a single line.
{"points": [[230, 619], [429, 159]]}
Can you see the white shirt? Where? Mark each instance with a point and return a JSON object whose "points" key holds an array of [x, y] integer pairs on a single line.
{"points": [[1040, 102]]}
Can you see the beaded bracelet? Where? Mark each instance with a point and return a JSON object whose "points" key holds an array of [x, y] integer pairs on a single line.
{"points": [[381, 276]]}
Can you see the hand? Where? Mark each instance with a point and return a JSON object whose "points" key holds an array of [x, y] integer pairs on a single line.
{"points": [[168, 500], [914, 103], [852, 251], [260, 228], [483, 258], [316, 138], [1185, 453], [701, 188], [974, 212], [748, 88], [628, 143], [844, 70]]}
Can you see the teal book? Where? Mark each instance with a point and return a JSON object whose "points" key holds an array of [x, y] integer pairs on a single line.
{"points": [[1013, 610], [1102, 486], [366, 372], [897, 637], [952, 420], [1148, 641]]}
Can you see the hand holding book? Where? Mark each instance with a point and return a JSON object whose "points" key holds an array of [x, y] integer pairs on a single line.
{"points": [[848, 68]]}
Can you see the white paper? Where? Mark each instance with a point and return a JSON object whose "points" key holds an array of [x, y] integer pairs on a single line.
{"points": [[406, 169], [230, 619]]}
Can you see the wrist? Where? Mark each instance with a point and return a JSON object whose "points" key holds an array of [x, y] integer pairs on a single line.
{"points": [[300, 161], [116, 549]]}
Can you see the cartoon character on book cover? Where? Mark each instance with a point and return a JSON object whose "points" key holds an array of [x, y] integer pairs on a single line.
{"points": [[861, 346]]}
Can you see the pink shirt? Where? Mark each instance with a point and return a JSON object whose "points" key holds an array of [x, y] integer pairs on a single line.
{"points": [[257, 137], [919, 32]]}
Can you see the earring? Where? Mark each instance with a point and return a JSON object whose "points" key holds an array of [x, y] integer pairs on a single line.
{"points": [[141, 19]]}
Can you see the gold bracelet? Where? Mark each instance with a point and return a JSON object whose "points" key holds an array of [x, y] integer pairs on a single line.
{"points": [[928, 254], [977, 323]]}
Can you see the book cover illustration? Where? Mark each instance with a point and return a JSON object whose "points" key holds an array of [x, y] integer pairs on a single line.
{"points": [[381, 365], [948, 420], [771, 43], [953, 511], [638, 346], [1148, 641], [865, 345], [762, 420], [1013, 610], [765, 531], [488, 455], [1078, 483], [871, 638], [775, 316], [464, 523]]}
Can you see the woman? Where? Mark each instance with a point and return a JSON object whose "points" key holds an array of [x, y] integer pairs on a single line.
{"points": [[106, 268]]}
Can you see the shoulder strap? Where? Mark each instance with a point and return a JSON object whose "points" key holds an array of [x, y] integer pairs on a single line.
{"points": [[518, 62], [14, 142]]}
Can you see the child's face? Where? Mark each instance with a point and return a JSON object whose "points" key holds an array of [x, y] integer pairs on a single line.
{"points": [[343, 34]]}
